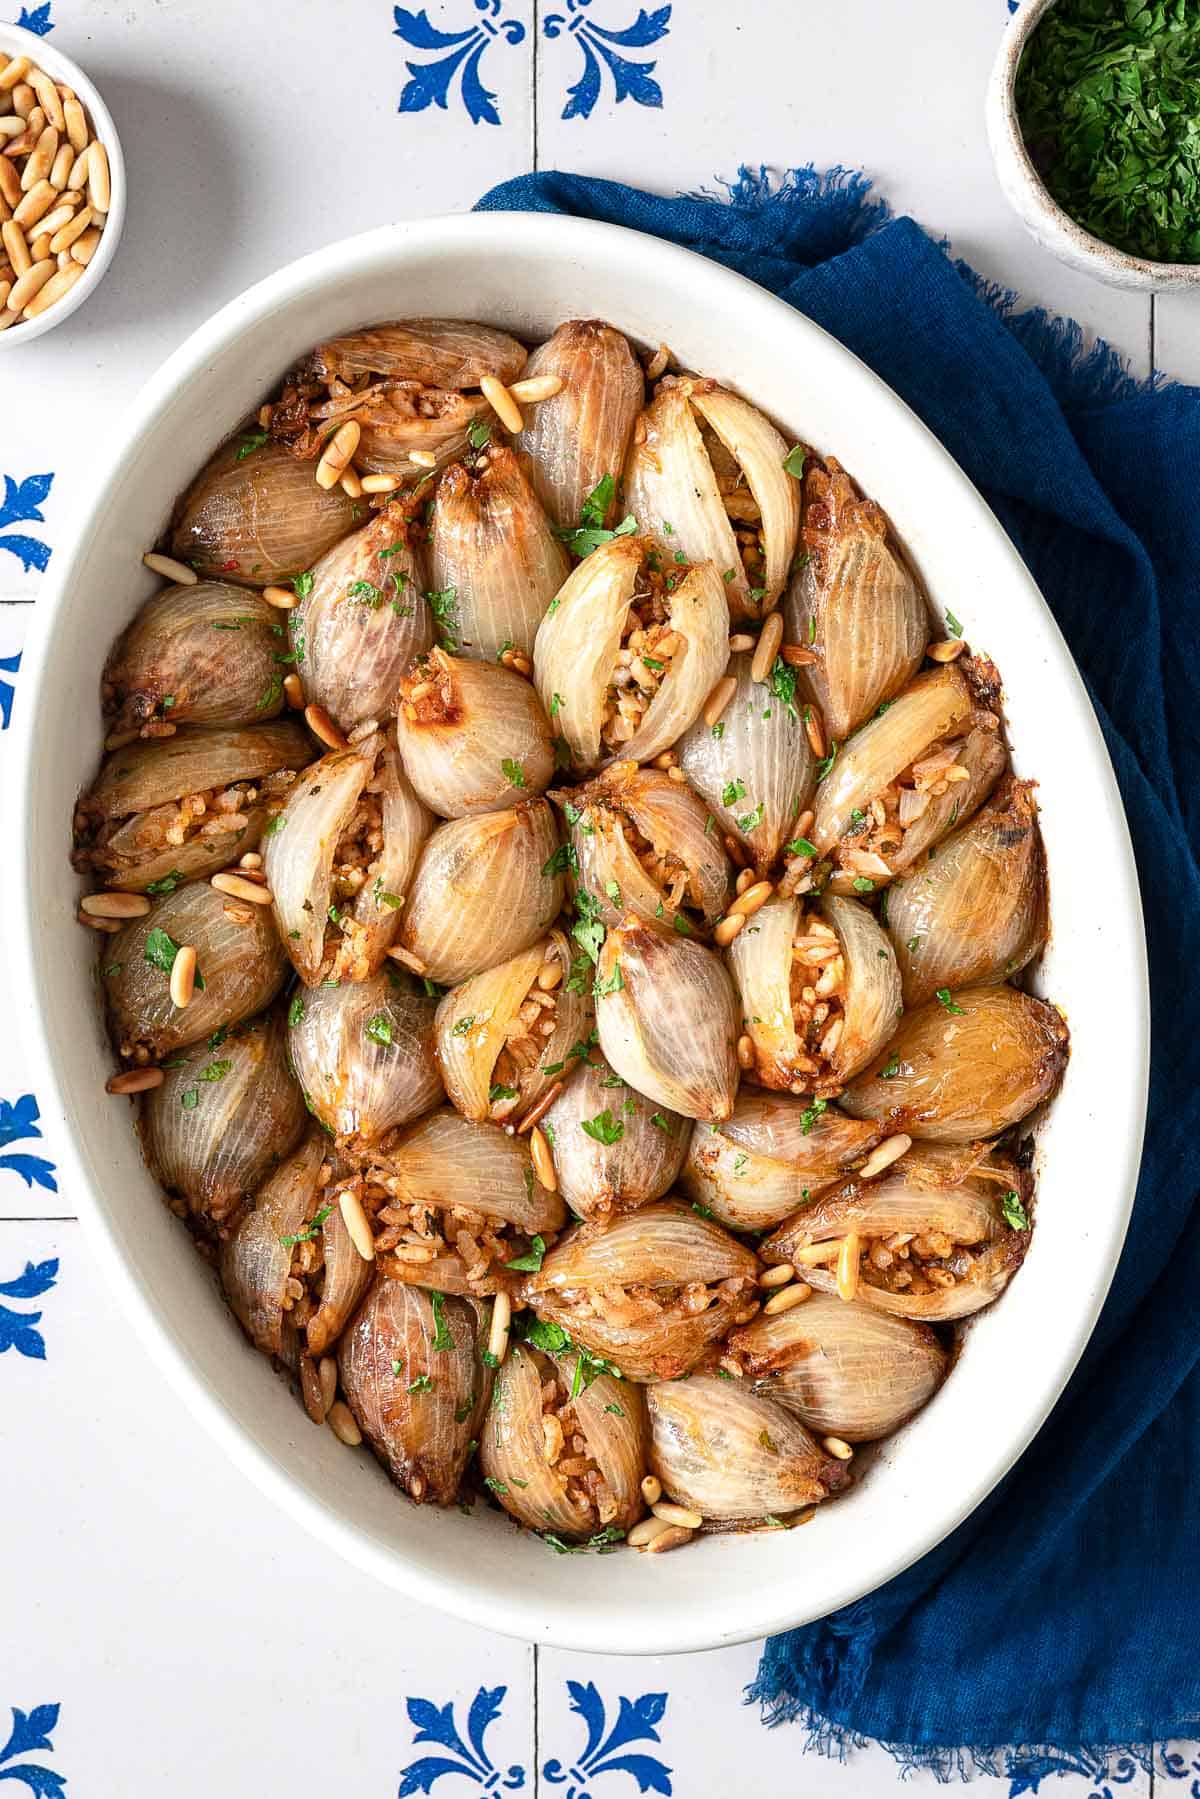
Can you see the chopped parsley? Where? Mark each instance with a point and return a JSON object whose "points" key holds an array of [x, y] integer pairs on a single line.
{"points": [[564, 858], [614, 983], [750, 821], [810, 1115], [161, 950], [793, 462], [732, 792], [443, 1340], [590, 532], [443, 603], [943, 998], [531, 1261], [718, 730], [312, 1230], [588, 929], [1014, 1212], [891, 1067], [422, 1384], [249, 442], [800, 846], [167, 884], [783, 684], [604, 1128], [296, 1009], [824, 766], [862, 885], [479, 433], [513, 772], [662, 1123], [379, 1029], [302, 585], [952, 624], [463, 1025]]}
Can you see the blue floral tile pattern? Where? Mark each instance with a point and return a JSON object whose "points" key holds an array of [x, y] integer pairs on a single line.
{"points": [[8, 665], [601, 48], [1025, 1773], [431, 83], [635, 1723], [1177, 1766], [17, 1328], [31, 1733], [36, 19], [22, 504], [18, 1123], [436, 1725]]}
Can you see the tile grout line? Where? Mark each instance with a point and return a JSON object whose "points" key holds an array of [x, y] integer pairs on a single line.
{"points": [[537, 1756]]}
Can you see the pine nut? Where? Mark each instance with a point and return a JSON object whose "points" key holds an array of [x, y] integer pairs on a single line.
{"points": [[238, 887], [741, 640], [796, 656], [837, 1446], [117, 740], [769, 640], [79, 169], [749, 902], [84, 247], [342, 1424], [10, 182], [948, 650], [183, 976], [423, 458], [61, 282], [745, 879], [282, 597], [5, 290], [322, 726], [847, 1266], [40, 160], [54, 222], [380, 483], [293, 692], [883, 1155], [13, 239], [535, 388], [543, 1161], [501, 403], [35, 205], [251, 859], [745, 1052], [674, 1537], [645, 1531], [657, 364], [99, 186], [683, 1515], [407, 960], [814, 733], [728, 929], [47, 93], [108, 925], [30, 283], [338, 453], [39, 249], [356, 1222], [718, 699], [135, 1080], [76, 125], [811, 1255], [651, 1489], [16, 71], [778, 1276], [350, 485], [61, 167], [327, 1373], [169, 569], [24, 100], [11, 125], [794, 1294], [501, 1319], [115, 905]]}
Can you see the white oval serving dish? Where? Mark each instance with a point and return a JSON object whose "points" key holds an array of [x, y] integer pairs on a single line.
{"points": [[527, 273]]}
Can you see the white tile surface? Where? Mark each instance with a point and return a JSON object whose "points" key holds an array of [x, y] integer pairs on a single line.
{"points": [[196, 1642]]}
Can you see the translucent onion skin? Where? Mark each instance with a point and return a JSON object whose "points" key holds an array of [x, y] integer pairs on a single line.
{"points": [[473, 1024], [627, 803], [363, 1053], [363, 620], [772, 1154], [204, 654], [668, 1020], [255, 1261], [664, 1245], [481, 892], [757, 754], [978, 912], [598, 1178], [734, 1455], [571, 441], [611, 1417], [450, 353], [159, 769], [222, 1118], [671, 487], [421, 1436], [965, 1069], [347, 1277], [854, 600], [446, 1161], [578, 640], [846, 1370], [241, 963], [491, 544], [471, 735], [257, 519]]}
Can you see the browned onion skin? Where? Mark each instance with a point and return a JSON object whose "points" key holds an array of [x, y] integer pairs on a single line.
{"points": [[597, 1178], [201, 654], [255, 1261], [422, 1437], [771, 1154], [258, 521], [571, 441], [965, 1073], [734, 1455], [363, 1053]]}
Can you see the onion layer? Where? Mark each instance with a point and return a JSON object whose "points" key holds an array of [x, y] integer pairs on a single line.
{"points": [[363, 1054], [733, 1455], [471, 735], [258, 518], [613, 1150], [649, 838], [445, 1161], [579, 435], [772, 1153], [203, 654]]}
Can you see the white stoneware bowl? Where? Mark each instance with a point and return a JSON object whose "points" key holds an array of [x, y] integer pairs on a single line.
{"points": [[1026, 193], [527, 273], [15, 41]]}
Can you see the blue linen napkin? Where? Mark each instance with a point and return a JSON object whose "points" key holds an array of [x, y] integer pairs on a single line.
{"points": [[1060, 1621]]}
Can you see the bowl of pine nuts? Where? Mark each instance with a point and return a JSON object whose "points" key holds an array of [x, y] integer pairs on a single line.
{"points": [[62, 187]]}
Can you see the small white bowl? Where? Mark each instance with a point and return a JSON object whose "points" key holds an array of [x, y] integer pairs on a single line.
{"points": [[15, 41], [1026, 193]]}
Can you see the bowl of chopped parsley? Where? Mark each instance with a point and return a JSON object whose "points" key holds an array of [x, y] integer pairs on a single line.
{"points": [[1093, 116]]}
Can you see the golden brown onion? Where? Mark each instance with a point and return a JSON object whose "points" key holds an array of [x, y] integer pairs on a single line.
{"points": [[976, 912], [754, 767], [493, 549], [363, 1053], [849, 1371], [966, 1064], [223, 1116], [580, 435], [629, 650], [714, 487], [613, 1150], [854, 601], [485, 888], [449, 353], [649, 838], [256, 1260], [412, 1375], [446, 1161], [204, 654], [733, 1455], [505, 1036], [667, 1017], [238, 959], [772, 1154], [257, 518], [472, 735]]}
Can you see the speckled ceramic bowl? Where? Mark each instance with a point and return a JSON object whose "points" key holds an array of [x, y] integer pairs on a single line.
{"points": [[1042, 217]]}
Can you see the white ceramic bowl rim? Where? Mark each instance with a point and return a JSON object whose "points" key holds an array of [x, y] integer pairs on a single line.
{"points": [[16, 41], [508, 267]]}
